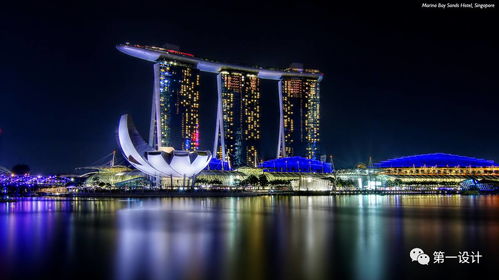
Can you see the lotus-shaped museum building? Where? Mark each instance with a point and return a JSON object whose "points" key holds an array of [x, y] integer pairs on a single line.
{"points": [[162, 162]]}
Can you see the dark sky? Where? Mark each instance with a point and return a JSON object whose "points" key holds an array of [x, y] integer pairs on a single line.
{"points": [[399, 79]]}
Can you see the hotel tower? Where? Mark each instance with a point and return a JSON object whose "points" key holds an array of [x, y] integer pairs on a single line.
{"points": [[301, 114], [241, 117], [175, 106]]}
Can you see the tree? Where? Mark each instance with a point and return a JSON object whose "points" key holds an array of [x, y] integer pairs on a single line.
{"points": [[253, 180], [330, 179], [340, 183], [201, 181], [216, 182], [280, 182], [262, 179], [21, 169], [95, 181]]}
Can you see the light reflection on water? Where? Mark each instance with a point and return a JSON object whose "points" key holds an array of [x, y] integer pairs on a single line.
{"points": [[315, 237]]}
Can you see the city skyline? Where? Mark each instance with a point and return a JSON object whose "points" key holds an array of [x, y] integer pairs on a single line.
{"points": [[176, 104], [390, 89], [248, 140]]}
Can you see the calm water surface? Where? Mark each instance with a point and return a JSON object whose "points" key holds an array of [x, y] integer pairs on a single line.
{"points": [[319, 237]]}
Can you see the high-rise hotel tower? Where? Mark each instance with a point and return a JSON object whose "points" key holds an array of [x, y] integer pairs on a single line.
{"points": [[241, 117], [301, 113], [178, 107], [175, 112]]}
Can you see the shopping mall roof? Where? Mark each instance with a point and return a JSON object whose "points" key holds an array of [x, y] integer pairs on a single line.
{"points": [[435, 160], [296, 164]]}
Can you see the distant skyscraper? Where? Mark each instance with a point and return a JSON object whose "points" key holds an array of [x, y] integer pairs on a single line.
{"points": [[178, 104], [301, 115], [241, 116]]}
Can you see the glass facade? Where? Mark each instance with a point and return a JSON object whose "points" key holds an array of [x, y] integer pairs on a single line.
{"points": [[301, 114], [241, 117], [179, 105]]}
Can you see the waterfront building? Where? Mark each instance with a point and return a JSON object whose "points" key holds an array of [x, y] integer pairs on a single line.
{"points": [[159, 163], [178, 106], [426, 172], [220, 178], [309, 184], [30, 181], [109, 177], [436, 160], [241, 117], [437, 170], [238, 111], [296, 164], [359, 179], [217, 164], [301, 114]]}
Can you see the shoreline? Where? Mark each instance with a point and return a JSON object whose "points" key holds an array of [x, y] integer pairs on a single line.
{"points": [[232, 193], [165, 193]]}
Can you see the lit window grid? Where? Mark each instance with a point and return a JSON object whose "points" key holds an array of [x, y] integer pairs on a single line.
{"points": [[179, 95], [301, 116], [241, 115]]}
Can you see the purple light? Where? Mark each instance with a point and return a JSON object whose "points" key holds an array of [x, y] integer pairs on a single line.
{"points": [[32, 181]]}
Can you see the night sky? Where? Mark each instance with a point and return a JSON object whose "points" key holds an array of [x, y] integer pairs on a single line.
{"points": [[399, 79]]}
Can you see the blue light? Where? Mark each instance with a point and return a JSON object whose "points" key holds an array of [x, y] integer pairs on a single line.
{"points": [[217, 164], [435, 160], [187, 144], [296, 164]]}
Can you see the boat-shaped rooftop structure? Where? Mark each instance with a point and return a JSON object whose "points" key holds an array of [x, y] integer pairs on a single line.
{"points": [[154, 54]]}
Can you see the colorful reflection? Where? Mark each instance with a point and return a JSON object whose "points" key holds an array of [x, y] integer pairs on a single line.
{"points": [[279, 237]]}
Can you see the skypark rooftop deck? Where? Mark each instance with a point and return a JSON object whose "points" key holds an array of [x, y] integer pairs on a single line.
{"points": [[154, 54]]}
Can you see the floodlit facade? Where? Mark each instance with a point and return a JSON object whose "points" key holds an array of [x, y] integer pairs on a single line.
{"points": [[427, 172], [309, 184], [436, 160], [238, 112], [110, 176], [437, 170], [217, 164], [296, 164], [359, 179], [158, 163]]}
